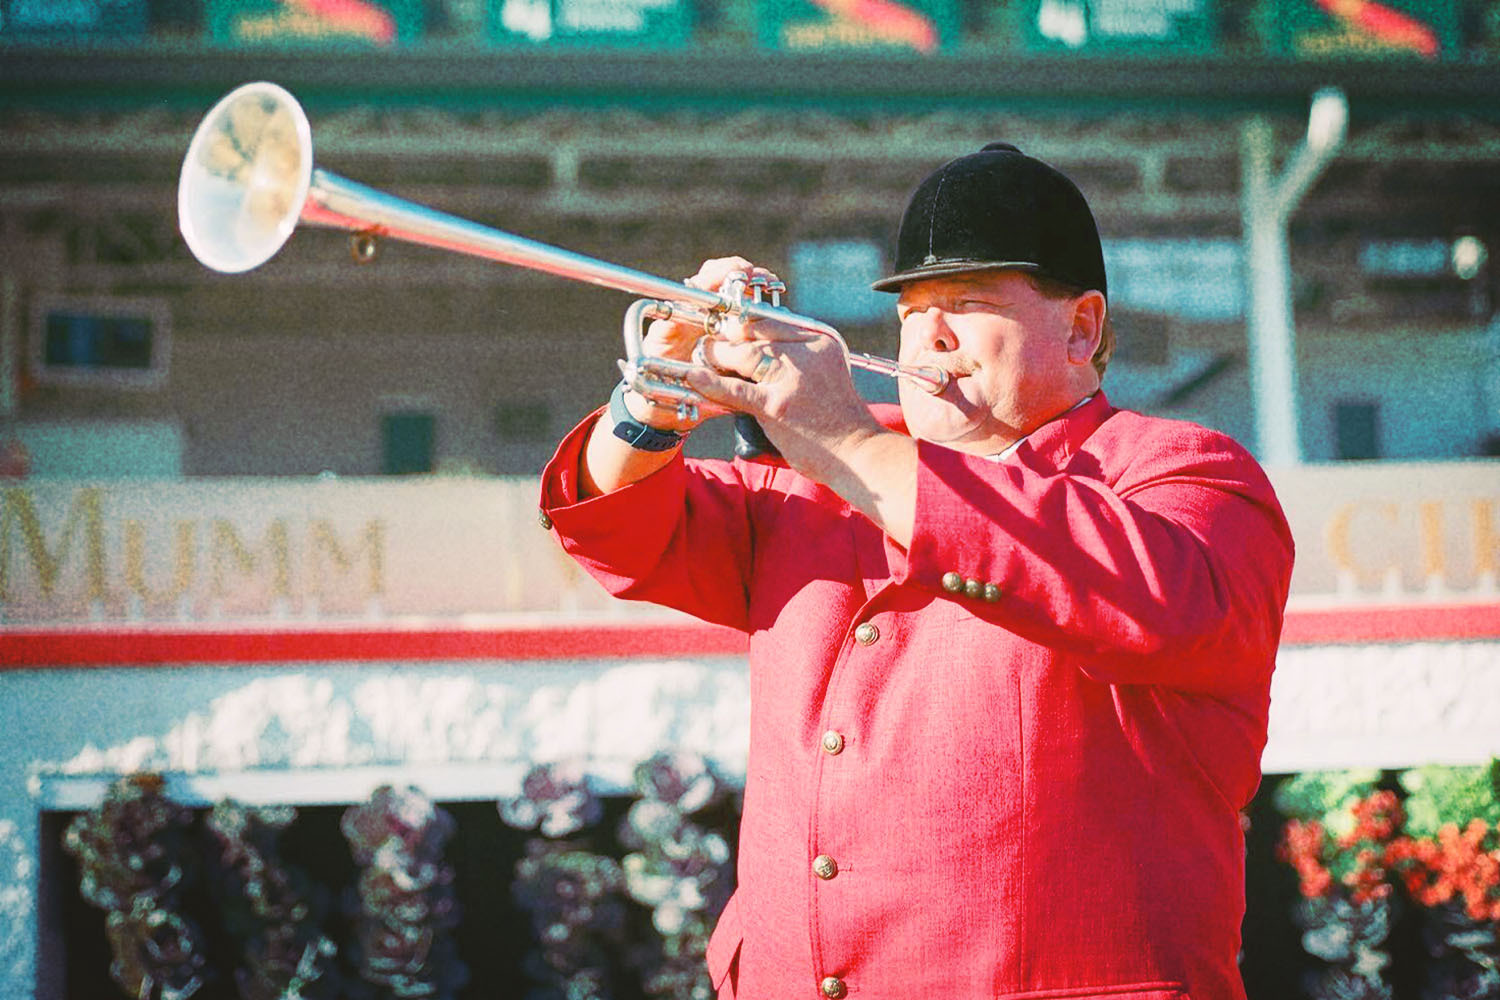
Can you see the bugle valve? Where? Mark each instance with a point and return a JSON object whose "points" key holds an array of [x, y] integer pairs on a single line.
{"points": [[248, 180]]}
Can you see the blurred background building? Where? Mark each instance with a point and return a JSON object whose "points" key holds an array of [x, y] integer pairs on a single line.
{"points": [[655, 134], [322, 464]]}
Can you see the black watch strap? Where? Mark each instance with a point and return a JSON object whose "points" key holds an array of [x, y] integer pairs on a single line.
{"points": [[634, 433]]}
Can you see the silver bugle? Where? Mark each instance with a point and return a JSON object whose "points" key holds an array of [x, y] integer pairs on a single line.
{"points": [[248, 180]]}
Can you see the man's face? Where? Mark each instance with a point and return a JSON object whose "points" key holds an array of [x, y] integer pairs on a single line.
{"points": [[1012, 353]]}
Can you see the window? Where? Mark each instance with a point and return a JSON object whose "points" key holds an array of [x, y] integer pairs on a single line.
{"points": [[407, 440], [103, 343], [831, 281], [1356, 428]]}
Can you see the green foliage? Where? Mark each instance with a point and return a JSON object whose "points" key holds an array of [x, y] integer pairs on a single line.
{"points": [[1324, 795], [1438, 795]]}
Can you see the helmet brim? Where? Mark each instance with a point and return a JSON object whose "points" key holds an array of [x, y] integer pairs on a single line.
{"points": [[945, 268]]}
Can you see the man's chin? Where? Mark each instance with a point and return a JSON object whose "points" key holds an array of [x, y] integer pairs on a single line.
{"points": [[949, 433], [949, 419]]}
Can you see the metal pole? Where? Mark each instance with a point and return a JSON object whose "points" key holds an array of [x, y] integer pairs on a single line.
{"points": [[1266, 205], [1273, 336], [10, 363]]}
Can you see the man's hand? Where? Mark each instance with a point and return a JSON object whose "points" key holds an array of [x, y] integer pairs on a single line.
{"points": [[610, 463], [797, 384], [676, 340]]}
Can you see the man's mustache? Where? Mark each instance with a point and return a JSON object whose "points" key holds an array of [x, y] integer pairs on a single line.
{"points": [[955, 366]]}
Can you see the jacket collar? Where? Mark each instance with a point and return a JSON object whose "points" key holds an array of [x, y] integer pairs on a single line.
{"points": [[1055, 441]]}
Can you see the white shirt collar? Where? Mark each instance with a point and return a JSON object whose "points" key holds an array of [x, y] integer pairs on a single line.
{"points": [[1010, 449]]}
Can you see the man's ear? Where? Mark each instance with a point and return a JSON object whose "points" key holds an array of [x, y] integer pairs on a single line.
{"points": [[1087, 327]]}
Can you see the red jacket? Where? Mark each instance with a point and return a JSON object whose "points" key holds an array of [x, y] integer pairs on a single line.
{"points": [[1025, 787]]}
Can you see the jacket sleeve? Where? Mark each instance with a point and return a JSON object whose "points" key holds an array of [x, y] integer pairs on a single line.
{"points": [[680, 538], [1176, 573]]}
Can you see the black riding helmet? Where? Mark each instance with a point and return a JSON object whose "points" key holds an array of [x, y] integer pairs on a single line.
{"points": [[998, 209]]}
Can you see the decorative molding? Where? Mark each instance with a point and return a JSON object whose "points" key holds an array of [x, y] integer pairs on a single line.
{"points": [[723, 72], [1354, 625]]}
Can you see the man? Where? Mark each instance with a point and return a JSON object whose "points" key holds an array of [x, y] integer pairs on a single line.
{"points": [[1009, 669]]}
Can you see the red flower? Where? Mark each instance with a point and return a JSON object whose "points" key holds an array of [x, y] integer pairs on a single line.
{"points": [[1360, 860], [1456, 865], [1302, 847]]}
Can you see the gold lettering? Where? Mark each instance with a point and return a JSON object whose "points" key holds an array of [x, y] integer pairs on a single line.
{"points": [[135, 561], [1342, 40], [1486, 538], [1431, 520], [1340, 548], [323, 542], [226, 545], [20, 512]]}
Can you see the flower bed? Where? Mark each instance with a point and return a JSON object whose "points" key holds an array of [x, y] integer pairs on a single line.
{"points": [[1367, 846], [615, 899]]}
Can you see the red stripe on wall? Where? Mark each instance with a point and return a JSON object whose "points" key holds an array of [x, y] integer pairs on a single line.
{"points": [[104, 646], [100, 646], [1395, 623]]}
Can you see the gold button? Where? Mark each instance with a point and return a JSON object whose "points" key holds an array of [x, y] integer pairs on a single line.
{"points": [[952, 582], [833, 987], [825, 867], [546, 521], [866, 634], [992, 592], [833, 741], [973, 588]]}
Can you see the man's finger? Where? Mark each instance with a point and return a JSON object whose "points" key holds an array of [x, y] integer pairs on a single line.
{"points": [[732, 393], [729, 357], [736, 329], [763, 367], [712, 273], [753, 360]]}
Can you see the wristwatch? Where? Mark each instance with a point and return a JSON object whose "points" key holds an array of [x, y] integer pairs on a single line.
{"points": [[636, 434]]}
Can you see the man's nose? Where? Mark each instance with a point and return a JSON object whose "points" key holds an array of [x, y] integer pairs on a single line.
{"points": [[928, 329]]}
